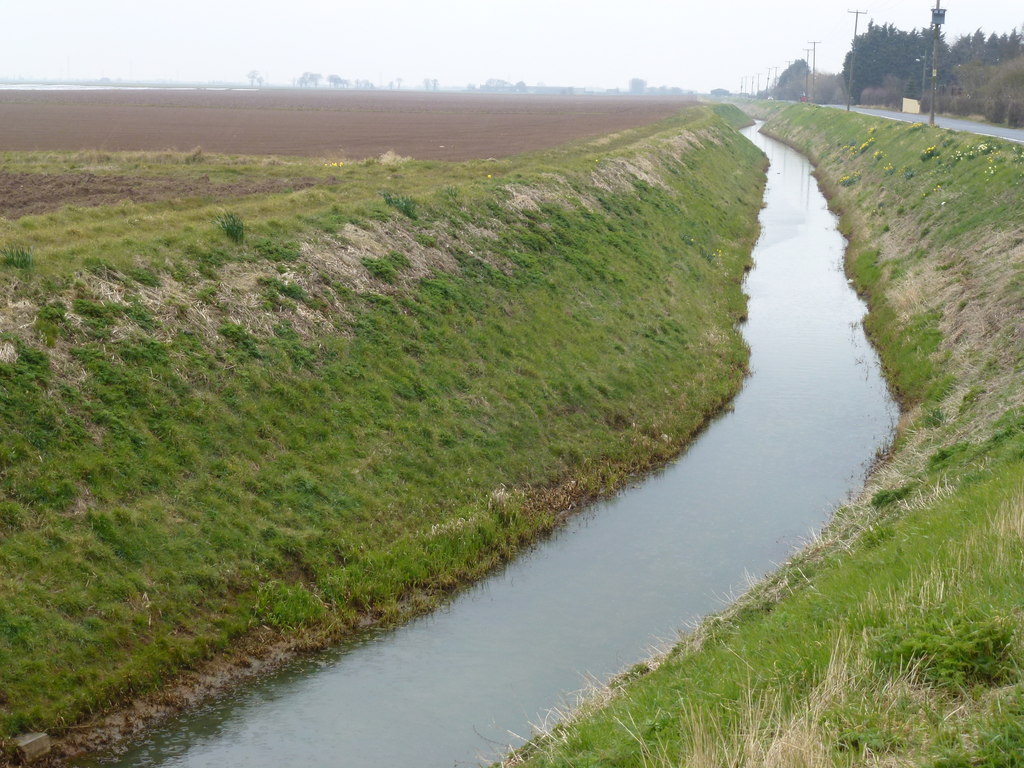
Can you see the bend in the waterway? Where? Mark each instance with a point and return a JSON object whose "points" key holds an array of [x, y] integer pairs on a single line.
{"points": [[461, 684]]}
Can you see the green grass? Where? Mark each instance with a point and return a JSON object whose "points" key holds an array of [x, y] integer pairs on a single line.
{"points": [[348, 413], [897, 638], [386, 267]]}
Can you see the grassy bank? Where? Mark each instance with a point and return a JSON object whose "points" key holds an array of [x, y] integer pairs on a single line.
{"points": [[896, 639], [293, 413]]}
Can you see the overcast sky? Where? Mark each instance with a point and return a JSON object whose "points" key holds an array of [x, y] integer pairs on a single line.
{"points": [[600, 43]]}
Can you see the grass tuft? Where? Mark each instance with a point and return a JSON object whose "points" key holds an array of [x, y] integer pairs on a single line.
{"points": [[400, 202], [232, 226], [16, 256]]}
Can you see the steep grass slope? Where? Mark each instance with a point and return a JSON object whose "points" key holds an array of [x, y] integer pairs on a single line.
{"points": [[897, 638], [307, 411]]}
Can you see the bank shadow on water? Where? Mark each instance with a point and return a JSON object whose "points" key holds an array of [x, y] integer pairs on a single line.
{"points": [[459, 686]]}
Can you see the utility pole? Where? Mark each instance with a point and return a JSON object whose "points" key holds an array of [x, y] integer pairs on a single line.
{"points": [[757, 92], [814, 67], [938, 17], [853, 58], [807, 75]]}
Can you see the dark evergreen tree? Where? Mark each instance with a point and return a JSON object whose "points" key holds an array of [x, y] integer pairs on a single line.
{"points": [[793, 81], [887, 55]]}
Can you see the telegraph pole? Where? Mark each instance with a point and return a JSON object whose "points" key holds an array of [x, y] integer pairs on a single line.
{"points": [[853, 58], [807, 76], [938, 17], [814, 67]]}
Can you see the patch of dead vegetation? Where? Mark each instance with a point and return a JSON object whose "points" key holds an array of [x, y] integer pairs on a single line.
{"points": [[8, 353], [619, 174], [19, 314], [340, 257], [523, 198], [985, 285], [392, 159]]}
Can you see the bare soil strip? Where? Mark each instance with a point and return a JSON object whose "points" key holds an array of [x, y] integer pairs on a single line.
{"points": [[24, 194]]}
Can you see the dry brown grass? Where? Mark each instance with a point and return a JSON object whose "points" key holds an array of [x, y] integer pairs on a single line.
{"points": [[8, 353]]}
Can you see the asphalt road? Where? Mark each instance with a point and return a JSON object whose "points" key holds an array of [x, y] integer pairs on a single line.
{"points": [[970, 126]]}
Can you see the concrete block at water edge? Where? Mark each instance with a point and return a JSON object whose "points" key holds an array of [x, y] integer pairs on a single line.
{"points": [[32, 745]]}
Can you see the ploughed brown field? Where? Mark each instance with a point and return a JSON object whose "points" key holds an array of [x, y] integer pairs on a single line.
{"points": [[23, 194], [318, 122]]}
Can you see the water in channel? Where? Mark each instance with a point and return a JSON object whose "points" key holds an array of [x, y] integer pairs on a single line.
{"points": [[456, 687]]}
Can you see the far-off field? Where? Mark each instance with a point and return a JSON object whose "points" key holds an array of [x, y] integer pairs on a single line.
{"points": [[356, 124]]}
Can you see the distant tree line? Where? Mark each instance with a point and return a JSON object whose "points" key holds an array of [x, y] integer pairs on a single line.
{"points": [[312, 80], [797, 82], [496, 85], [977, 74]]}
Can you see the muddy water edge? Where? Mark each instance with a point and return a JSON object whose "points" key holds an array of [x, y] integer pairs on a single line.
{"points": [[461, 685]]}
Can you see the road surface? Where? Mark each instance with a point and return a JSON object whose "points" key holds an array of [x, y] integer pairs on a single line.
{"points": [[970, 126]]}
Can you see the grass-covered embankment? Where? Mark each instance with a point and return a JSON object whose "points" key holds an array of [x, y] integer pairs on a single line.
{"points": [[303, 411], [896, 639]]}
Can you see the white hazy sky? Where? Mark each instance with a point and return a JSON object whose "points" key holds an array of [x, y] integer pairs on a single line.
{"points": [[600, 43]]}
